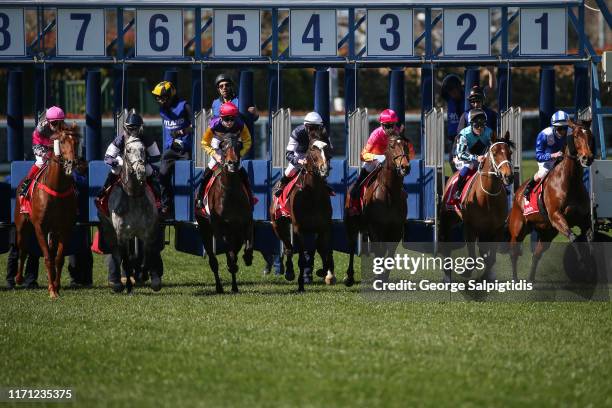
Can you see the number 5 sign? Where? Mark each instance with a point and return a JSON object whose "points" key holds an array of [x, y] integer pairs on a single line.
{"points": [[543, 31], [80, 32], [159, 33], [313, 33], [466, 32], [236, 33]]}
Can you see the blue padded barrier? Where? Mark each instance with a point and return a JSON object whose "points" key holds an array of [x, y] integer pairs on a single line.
{"points": [[264, 239], [185, 184], [98, 170], [259, 176], [19, 169], [5, 215], [337, 180], [187, 239]]}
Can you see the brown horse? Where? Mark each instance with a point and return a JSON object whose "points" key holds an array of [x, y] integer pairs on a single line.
{"points": [[385, 208], [565, 199], [311, 213], [54, 209], [231, 214], [485, 206]]}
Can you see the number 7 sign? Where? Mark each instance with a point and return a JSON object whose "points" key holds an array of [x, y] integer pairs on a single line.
{"points": [[81, 32]]}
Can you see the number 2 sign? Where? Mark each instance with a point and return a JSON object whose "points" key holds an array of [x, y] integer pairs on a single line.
{"points": [[543, 31], [466, 32]]}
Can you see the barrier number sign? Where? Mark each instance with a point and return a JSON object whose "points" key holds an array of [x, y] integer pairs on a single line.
{"points": [[236, 33], [543, 31], [12, 32], [159, 33], [80, 32], [389, 32], [313, 33], [466, 32]]}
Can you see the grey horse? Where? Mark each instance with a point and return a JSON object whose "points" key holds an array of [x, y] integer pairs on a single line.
{"points": [[133, 214]]}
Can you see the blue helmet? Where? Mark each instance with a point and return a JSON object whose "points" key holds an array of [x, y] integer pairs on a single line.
{"points": [[559, 118]]}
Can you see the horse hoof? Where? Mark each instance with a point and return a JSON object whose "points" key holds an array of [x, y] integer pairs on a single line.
{"points": [[118, 287], [53, 294], [156, 283], [349, 281], [248, 260], [321, 273], [123, 280], [235, 290], [300, 289], [19, 280], [289, 274], [330, 279], [307, 279], [219, 290]]}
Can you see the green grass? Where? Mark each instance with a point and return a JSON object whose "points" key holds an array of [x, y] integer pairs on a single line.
{"points": [[268, 346]]}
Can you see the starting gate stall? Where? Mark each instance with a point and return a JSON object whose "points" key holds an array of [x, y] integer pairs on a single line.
{"points": [[302, 34]]}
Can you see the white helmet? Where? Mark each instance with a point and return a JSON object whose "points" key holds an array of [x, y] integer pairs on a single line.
{"points": [[559, 118], [313, 118]]}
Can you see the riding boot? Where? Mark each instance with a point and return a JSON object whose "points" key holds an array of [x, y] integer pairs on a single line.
{"points": [[460, 185], [28, 180], [247, 183], [280, 186], [529, 187], [200, 195], [357, 186], [110, 180]]}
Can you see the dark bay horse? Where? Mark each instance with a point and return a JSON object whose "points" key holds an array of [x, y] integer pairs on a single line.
{"points": [[231, 213], [565, 199], [385, 208], [54, 209], [133, 214], [485, 207], [311, 213]]}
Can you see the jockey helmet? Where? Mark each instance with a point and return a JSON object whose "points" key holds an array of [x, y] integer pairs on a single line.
{"points": [[476, 114], [133, 119], [164, 89], [559, 118], [450, 81], [388, 116], [229, 109], [313, 118], [55, 113], [223, 78], [476, 94]]}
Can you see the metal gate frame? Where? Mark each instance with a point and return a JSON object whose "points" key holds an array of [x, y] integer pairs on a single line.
{"points": [[281, 130], [358, 132], [512, 121], [434, 157], [201, 120]]}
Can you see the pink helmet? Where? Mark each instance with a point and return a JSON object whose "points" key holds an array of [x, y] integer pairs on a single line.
{"points": [[388, 116], [55, 113], [228, 109]]}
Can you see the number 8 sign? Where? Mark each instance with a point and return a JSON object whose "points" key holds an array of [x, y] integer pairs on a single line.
{"points": [[466, 32], [159, 33]]}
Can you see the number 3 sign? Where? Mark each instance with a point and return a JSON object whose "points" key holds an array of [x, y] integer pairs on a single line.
{"points": [[466, 32]]}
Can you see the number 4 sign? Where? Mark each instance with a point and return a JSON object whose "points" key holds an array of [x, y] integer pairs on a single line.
{"points": [[543, 31], [313, 33]]}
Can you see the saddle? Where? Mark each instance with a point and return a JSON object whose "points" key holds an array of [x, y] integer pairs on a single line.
{"points": [[535, 203], [205, 209], [281, 208], [356, 206], [102, 203], [25, 202], [448, 199]]}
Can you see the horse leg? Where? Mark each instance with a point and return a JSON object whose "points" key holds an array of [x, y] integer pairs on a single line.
{"points": [[49, 264], [207, 238], [327, 256], [470, 242], [517, 229], [352, 233], [232, 262], [542, 245], [153, 263], [299, 246], [445, 225], [560, 223], [59, 263], [22, 238], [247, 256], [283, 232]]}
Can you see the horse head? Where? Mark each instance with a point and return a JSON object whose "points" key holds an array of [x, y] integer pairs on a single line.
{"points": [[134, 172], [581, 143], [318, 157], [230, 146], [66, 146], [398, 155], [499, 158]]}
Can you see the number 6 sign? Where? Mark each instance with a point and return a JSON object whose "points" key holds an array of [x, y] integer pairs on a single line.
{"points": [[236, 33], [466, 32], [159, 33]]}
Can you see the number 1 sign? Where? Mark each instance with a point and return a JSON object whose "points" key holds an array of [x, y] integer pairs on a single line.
{"points": [[543, 31], [466, 32]]}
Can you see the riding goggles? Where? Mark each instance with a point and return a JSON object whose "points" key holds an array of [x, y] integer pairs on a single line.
{"points": [[479, 123], [388, 125], [228, 118]]}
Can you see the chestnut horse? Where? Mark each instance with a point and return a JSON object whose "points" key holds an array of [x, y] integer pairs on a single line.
{"points": [[565, 199], [385, 208], [311, 213], [485, 206], [54, 209], [231, 214]]}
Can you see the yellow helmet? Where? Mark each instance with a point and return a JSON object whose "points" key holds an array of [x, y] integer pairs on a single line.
{"points": [[164, 89]]}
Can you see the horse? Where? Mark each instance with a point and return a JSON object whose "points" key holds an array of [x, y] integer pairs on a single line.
{"points": [[310, 213], [565, 199], [384, 203], [231, 213], [54, 209], [485, 207], [133, 214]]}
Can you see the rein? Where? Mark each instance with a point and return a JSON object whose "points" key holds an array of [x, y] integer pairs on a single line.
{"points": [[495, 173]]}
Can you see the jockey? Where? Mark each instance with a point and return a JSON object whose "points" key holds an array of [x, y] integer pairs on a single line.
{"points": [[373, 153], [228, 123], [476, 99], [41, 142], [132, 126], [473, 142], [549, 146], [297, 148], [176, 121], [225, 88]]}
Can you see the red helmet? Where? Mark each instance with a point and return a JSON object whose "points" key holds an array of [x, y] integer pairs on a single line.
{"points": [[229, 109], [388, 116]]}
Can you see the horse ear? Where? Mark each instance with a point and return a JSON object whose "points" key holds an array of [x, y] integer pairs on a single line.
{"points": [[507, 136], [494, 136], [587, 123], [571, 124]]}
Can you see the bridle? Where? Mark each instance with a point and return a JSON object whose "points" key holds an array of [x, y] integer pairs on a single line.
{"points": [[398, 165], [496, 167], [58, 158]]}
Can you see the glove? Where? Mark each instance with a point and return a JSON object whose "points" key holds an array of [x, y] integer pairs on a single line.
{"points": [[118, 162], [380, 158], [177, 145]]}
